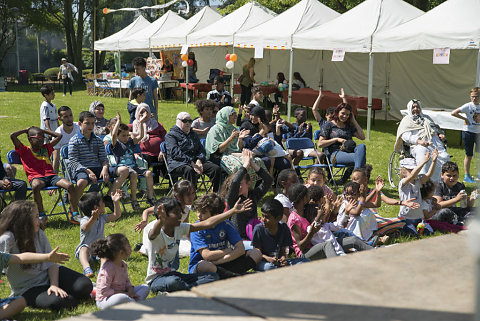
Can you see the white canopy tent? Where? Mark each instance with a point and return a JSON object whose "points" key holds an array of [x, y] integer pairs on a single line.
{"points": [[353, 32], [140, 40], [112, 43], [277, 32], [177, 37]]}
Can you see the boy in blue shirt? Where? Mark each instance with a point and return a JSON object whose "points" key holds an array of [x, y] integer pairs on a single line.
{"points": [[143, 80], [219, 249]]}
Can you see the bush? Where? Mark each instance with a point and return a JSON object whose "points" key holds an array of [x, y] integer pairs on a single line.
{"points": [[51, 72], [86, 72]]}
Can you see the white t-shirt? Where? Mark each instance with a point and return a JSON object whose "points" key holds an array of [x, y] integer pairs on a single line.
{"points": [[48, 111], [66, 137], [162, 252], [254, 102], [472, 112], [362, 225], [406, 192]]}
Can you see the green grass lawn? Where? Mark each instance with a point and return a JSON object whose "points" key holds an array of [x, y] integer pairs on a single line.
{"points": [[19, 108]]}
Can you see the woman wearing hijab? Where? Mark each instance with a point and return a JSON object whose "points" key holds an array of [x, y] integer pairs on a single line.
{"points": [[422, 134], [153, 137], [186, 156], [224, 143], [98, 109]]}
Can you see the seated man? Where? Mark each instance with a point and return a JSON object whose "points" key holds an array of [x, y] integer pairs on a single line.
{"points": [[7, 183], [88, 161], [219, 249], [219, 94]]}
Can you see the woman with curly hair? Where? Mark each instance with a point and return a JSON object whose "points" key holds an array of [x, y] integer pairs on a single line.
{"points": [[43, 285]]}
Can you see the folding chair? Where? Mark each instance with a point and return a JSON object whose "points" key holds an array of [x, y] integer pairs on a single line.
{"points": [[163, 149], [334, 170], [14, 159], [105, 89], [304, 143], [112, 161], [205, 181]]}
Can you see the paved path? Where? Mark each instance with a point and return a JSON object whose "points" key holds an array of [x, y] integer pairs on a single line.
{"points": [[431, 279]]}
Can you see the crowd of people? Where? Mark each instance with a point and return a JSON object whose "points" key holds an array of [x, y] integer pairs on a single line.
{"points": [[243, 155]]}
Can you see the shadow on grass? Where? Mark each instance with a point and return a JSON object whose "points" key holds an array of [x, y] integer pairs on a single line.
{"points": [[198, 308]]}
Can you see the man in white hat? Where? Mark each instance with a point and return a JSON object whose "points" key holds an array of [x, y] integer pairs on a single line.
{"points": [[65, 73]]}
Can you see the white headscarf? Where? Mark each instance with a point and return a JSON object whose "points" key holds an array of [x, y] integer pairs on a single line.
{"points": [[180, 124], [148, 126]]}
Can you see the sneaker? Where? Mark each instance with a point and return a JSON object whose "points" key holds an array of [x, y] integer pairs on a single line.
{"points": [[63, 95], [137, 247], [74, 218], [43, 220], [468, 179]]}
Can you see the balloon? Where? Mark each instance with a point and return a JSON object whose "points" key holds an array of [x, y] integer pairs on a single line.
{"points": [[184, 57], [233, 57], [106, 11], [229, 64], [184, 64], [190, 62], [285, 86], [227, 57], [280, 87]]}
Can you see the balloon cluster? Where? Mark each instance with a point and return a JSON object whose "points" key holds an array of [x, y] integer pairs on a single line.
{"points": [[230, 58], [282, 87], [185, 61]]}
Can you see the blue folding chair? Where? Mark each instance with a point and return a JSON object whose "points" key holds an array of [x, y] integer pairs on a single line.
{"points": [[14, 159], [163, 149], [304, 143]]}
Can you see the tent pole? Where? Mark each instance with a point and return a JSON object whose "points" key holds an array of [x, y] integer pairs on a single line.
{"points": [[232, 82], [477, 79], [94, 72], [120, 71], [290, 76], [186, 82], [370, 87]]}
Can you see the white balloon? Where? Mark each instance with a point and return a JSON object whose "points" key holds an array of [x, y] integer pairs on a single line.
{"points": [[184, 64], [229, 64]]}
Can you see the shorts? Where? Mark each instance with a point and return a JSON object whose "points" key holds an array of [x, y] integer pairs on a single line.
{"points": [[240, 265], [91, 258], [306, 151], [4, 302], [97, 170], [469, 140], [51, 180], [139, 171]]}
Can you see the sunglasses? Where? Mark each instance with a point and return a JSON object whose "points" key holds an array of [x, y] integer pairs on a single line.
{"points": [[186, 121], [474, 96], [37, 136]]}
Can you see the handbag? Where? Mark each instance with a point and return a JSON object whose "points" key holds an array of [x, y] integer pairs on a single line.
{"points": [[240, 79]]}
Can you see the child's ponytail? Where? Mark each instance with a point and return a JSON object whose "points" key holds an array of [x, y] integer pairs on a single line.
{"points": [[109, 247]]}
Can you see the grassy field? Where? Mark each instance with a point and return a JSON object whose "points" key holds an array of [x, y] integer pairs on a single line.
{"points": [[19, 108]]}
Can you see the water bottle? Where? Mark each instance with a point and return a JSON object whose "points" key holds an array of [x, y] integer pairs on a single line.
{"points": [[463, 202]]}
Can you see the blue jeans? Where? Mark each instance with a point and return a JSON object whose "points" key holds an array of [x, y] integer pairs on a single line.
{"points": [[358, 158], [176, 281], [265, 266]]}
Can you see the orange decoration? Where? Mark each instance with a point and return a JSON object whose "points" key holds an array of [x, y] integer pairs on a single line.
{"points": [[233, 57], [184, 57]]}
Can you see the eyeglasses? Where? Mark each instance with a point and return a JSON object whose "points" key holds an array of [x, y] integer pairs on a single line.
{"points": [[37, 136], [474, 96], [186, 121]]}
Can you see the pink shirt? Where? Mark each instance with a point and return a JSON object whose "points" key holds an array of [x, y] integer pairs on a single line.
{"points": [[112, 279], [295, 219]]}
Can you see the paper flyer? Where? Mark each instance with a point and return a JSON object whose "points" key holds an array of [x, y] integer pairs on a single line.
{"points": [[258, 52], [441, 56], [338, 54], [184, 49]]}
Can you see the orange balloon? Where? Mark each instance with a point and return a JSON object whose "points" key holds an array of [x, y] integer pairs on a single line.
{"points": [[233, 57], [105, 11], [184, 57]]}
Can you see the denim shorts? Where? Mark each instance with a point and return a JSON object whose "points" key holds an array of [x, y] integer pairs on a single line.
{"points": [[4, 302], [469, 140], [51, 180], [97, 170]]}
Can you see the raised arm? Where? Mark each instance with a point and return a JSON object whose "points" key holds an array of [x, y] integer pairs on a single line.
{"points": [[14, 137], [316, 106], [342, 95], [456, 113], [115, 129], [57, 136], [414, 173], [359, 133], [429, 174]]}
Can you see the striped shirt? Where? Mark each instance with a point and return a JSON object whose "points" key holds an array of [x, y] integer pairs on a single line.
{"points": [[84, 153]]}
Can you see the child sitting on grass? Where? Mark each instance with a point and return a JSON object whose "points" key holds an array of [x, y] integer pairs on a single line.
{"points": [[202, 124], [219, 249], [92, 225], [316, 176], [161, 239], [285, 179], [273, 238], [123, 148], [113, 284], [38, 167], [429, 204], [409, 188], [138, 97]]}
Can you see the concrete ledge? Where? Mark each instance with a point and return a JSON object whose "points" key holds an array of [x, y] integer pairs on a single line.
{"points": [[430, 279]]}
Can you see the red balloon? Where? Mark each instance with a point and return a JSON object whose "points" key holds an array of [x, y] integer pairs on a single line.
{"points": [[190, 62], [227, 57]]}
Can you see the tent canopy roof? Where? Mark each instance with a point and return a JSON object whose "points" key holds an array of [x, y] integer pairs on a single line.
{"points": [[353, 30], [453, 24], [221, 33], [112, 42], [139, 41], [177, 37], [277, 32]]}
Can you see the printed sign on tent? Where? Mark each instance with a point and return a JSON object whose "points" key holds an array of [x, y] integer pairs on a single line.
{"points": [[184, 49], [338, 54], [441, 56], [258, 52]]}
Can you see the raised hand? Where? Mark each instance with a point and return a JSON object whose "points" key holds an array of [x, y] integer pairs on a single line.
{"points": [[244, 133], [59, 258], [119, 118], [434, 155], [379, 183], [235, 133], [342, 93], [116, 196], [243, 206]]}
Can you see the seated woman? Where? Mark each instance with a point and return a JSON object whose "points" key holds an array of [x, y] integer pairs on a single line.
{"points": [[153, 137], [225, 143], [43, 285], [336, 139], [422, 134], [98, 109], [186, 156]]}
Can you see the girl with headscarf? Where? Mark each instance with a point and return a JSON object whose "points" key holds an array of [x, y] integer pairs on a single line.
{"points": [[98, 109], [186, 155], [224, 144], [420, 132], [153, 137]]}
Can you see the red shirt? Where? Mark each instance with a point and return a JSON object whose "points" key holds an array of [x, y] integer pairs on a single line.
{"points": [[36, 164], [156, 137]]}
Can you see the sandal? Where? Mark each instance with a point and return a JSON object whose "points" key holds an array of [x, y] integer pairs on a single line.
{"points": [[135, 206], [88, 272]]}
